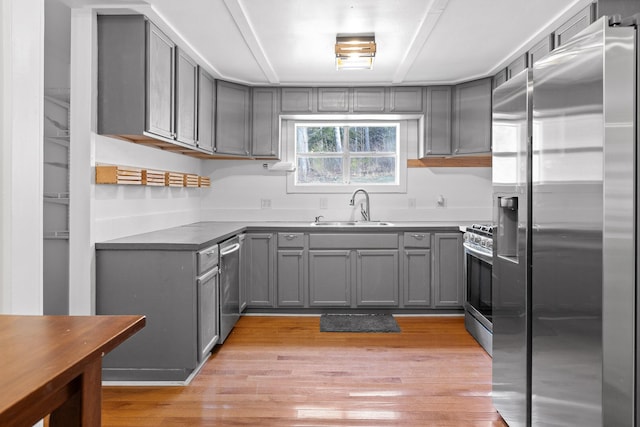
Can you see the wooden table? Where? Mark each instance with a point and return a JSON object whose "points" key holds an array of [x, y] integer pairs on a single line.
{"points": [[53, 365]]}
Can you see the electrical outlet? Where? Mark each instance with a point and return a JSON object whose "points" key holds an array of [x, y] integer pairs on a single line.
{"points": [[324, 203], [265, 203], [412, 203]]}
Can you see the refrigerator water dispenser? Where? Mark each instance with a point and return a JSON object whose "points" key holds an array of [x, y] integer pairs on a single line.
{"points": [[507, 233]]}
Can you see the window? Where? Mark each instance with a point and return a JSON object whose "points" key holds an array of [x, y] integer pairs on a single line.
{"points": [[343, 154]]}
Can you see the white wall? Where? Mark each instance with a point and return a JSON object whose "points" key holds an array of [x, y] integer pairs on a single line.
{"points": [[238, 186], [22, 35]]}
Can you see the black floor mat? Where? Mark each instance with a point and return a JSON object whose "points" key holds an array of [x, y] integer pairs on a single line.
{"points": [[358, 323]]}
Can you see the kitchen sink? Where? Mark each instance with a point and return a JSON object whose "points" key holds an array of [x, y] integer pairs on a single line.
{"points": [[351, 224]]}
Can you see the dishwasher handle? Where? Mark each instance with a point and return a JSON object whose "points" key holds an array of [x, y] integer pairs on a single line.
{"points": [[229, 250]]}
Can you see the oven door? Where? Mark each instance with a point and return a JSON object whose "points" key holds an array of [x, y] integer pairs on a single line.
{"points": [[478, 267]]}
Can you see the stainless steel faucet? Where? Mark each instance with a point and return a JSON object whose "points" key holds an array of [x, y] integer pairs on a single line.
{"points": [[366, 212]]}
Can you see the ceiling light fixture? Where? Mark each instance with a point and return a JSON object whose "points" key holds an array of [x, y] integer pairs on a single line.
{"points": [[355, 51]]}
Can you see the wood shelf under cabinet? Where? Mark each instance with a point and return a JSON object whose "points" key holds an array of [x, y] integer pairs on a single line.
{"points": [[451, 162], [116, 174]]}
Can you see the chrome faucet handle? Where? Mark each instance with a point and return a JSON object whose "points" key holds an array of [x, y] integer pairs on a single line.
{"points": [[318, 218]]}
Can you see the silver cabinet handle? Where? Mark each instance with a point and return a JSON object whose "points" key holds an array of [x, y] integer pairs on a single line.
{"points": [[418, 236], [290, 236]]}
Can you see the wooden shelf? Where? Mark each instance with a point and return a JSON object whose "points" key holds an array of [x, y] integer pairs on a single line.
{"points": [[116, 174], [451, 162]]}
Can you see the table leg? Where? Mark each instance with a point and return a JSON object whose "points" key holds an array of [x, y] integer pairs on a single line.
{"points": [[83, 408]]}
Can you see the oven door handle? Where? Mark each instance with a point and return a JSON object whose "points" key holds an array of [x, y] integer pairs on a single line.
{"points": [[480, 254]]}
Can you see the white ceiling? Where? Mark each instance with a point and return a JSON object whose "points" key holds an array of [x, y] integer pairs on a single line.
{"points": [[291, 42]]}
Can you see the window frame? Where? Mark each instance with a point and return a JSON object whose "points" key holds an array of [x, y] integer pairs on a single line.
{"points": [[288, 141]]}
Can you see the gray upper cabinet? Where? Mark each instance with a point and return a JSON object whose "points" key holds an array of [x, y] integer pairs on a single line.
{"points": [[297, 100], [206, 110], [186, 97], [369, 99], [499, 78], [438, 121], [333, 100], [232, 118], [136, 67], [406, 100], [472, 117], [265, 122], [540, 50], [448, 265], [160, 59], [573, 26], [518, 65]]}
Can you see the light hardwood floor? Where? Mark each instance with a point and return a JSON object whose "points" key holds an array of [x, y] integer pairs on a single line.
{"points": [[281, 371]]}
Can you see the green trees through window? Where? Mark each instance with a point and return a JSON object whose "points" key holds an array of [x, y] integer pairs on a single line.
{"points": [[341, 153]]}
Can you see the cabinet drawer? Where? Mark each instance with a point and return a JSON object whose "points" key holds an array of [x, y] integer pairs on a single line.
{"points": [[207, 259], [290, 240], [353, 241], [415, 239]]}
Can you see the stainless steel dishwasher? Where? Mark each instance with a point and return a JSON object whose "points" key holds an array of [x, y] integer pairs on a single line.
{"points": [[229, 285]]}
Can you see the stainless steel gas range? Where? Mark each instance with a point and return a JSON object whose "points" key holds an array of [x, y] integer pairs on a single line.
{"points": [[478, 266]]}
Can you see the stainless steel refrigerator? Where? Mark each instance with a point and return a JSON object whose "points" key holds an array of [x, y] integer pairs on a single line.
{"points": [[564, 251]]}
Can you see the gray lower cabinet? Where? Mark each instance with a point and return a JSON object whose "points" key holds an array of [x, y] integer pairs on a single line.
{"points": [[472, 117], [377, 273], [265, 122], [448, 265], [416, 270], [330, 278], [206, 111], [259, 267], [162, 285], [438, 121], [291, 277], [232, 119]]}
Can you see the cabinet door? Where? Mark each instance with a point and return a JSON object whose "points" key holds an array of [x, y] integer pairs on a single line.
{"points": [[518, 65], [232, 119], [291, 278], [438, 123], [297, 100], [540, 50], [406, 100], [330, 278], [208, 332], [186, 90], [449, 292], [260, 269], [265, 122], [472, 117], [206, 110], [377, 278], [160, 82], [417, 277], [573, 26], [500, 78], [333, 100], [368, 99]]}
